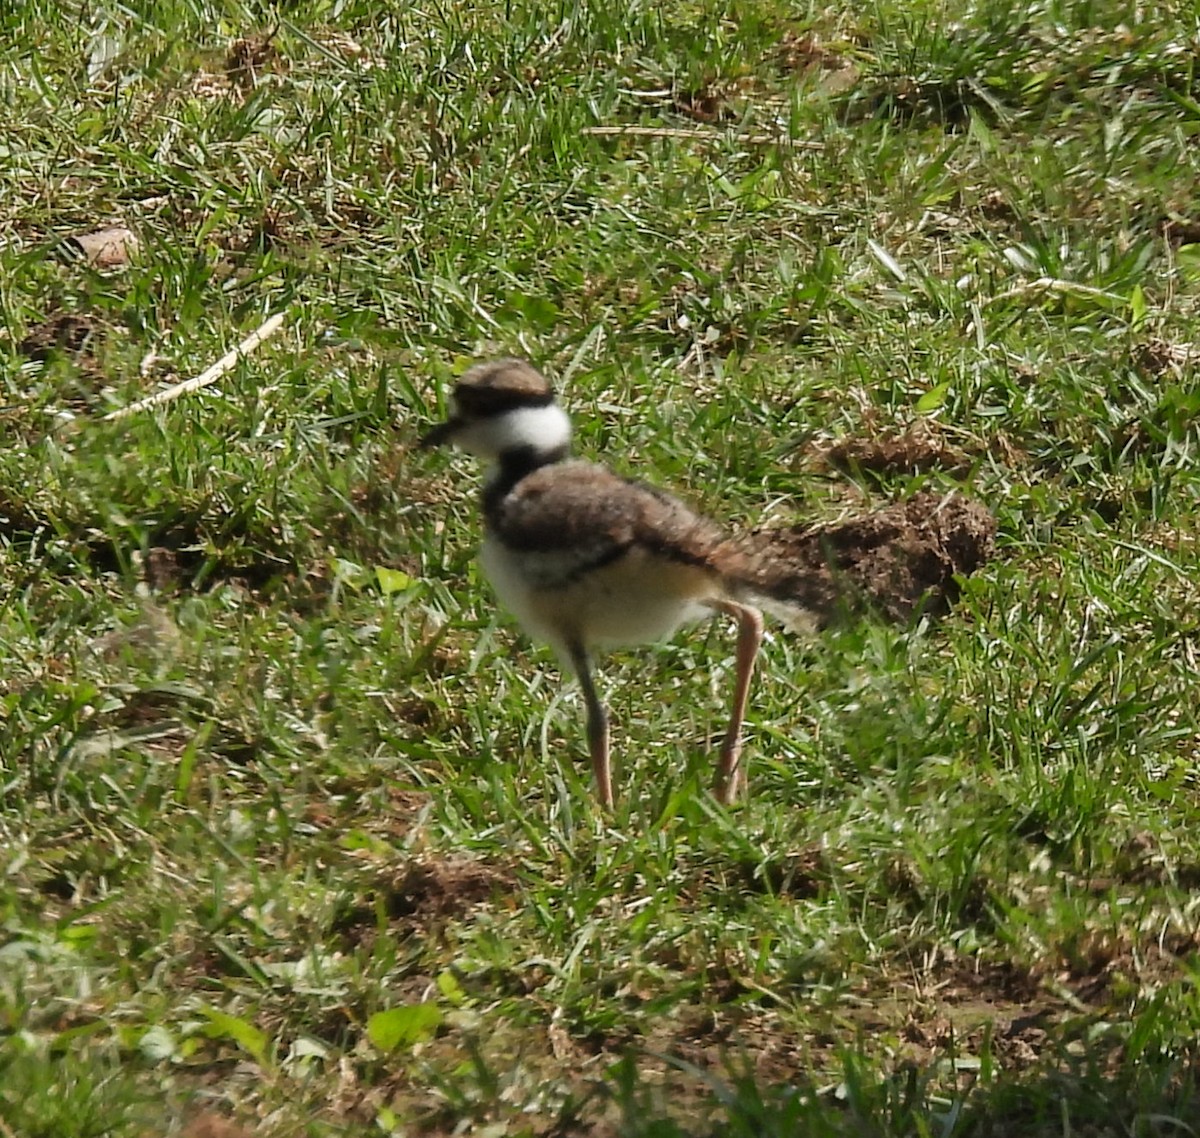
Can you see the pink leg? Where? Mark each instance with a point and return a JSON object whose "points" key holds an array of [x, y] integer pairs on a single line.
{"points": [[597, 727], [730, 776]]}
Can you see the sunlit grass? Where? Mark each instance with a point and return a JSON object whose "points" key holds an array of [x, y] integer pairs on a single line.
{"points": [[295, 827]]}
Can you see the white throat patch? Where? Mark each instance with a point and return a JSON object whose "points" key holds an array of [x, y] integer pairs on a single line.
{"points": [[540, 429]]}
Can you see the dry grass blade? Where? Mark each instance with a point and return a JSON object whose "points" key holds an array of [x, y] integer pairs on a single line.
{"points": [[1051, 284]]}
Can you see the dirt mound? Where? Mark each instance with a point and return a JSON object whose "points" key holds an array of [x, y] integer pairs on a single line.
{"points": [[914, 451], [425, 893], [68, 332], [895, 560], [446, 887]]}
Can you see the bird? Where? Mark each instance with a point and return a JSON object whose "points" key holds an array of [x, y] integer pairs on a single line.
{"points": [[587, 559]]}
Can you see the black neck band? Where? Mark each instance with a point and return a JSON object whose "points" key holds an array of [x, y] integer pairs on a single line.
{"points": [[514, 465]]}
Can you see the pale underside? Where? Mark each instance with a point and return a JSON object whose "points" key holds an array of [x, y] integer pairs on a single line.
{"points": [[640, 598]]}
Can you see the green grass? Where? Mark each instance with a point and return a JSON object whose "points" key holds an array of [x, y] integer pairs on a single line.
{"points": [[295, 828]]}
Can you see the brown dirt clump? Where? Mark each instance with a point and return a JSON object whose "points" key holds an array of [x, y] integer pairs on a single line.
{"points": [[1158, 357], [70, 333], [77, 339], [898, 560], [446, 887], [250, 56], [803, 873], [209, 1125], [426, 893], [705, 104], [1180, 230], [914, 451]]}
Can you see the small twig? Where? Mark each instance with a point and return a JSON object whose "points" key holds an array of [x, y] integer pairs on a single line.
{"points": [[225, 364], [689, 135]]}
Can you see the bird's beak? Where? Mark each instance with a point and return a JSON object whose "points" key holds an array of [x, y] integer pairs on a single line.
{"points": [[442, 433]]}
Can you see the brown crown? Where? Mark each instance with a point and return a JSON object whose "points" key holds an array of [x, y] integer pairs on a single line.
{"points": [[501, 385]]}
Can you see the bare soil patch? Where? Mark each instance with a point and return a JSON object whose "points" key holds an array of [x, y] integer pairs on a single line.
{"points": [[426, 893], [66, 332], [249, 56], [1179, 230], [76, 338], [1159, 358], [210, 1125], [441, 888]]}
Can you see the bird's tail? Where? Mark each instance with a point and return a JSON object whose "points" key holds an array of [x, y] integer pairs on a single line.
{"points": [[803, 597]]}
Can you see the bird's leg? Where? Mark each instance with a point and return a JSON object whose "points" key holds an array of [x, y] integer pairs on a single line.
{"points": [[750, 633], [597, 726]]}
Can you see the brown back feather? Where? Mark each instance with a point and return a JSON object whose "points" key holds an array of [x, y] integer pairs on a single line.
{"points": [[579, 504]]}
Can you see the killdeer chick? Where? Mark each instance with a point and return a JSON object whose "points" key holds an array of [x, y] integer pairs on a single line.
{"points": [[586, 559]]}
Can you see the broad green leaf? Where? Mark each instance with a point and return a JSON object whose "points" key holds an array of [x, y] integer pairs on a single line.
{"points": [[391, 580], [77, 935], [982, 134], [221, 1025], [347, 572], [450, 988], [933, 398], [306, 1047], [403, 1027], [157, 1044], [1187, 257], [1137, 307]]}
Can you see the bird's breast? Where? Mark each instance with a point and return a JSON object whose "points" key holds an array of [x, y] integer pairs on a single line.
{"points": [[594, 598]]}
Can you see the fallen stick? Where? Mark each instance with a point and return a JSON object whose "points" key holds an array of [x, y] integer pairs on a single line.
{"points": [[225, 364]]}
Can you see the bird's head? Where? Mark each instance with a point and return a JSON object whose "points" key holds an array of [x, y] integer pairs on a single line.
{"points": [[504, 408]]}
